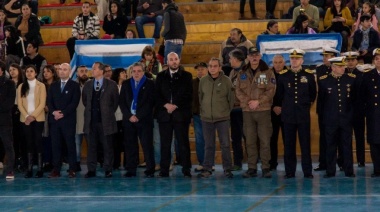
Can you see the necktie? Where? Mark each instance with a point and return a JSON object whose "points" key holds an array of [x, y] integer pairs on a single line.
{"points": [[62, 86], [97, 88], [136, 84]]}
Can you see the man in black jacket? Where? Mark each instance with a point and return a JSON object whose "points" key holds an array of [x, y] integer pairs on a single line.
{"points": [[174, 29], [7, 100], [173, 110], [136, 103]]}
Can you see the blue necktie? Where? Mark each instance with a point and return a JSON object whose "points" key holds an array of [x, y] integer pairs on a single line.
{"points": [[62, 86]]}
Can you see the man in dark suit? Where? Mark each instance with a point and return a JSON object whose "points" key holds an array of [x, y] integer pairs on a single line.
{"points": [[63, 100], [370, 94], [7, 100], [296, 91], [136, 104], [173, 110], [100, 98]]}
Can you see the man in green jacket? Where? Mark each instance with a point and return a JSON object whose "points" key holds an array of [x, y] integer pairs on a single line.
{"points": [[216, 98]]}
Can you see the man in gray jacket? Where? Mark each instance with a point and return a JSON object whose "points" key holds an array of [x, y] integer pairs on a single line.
{"points": [[216, 97]]}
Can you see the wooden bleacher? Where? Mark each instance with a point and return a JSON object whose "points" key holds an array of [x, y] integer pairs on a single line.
{"points": [[208, 24]]}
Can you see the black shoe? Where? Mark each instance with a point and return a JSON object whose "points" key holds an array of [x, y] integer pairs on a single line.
{"points": [[28, 174], [328, 175], [78, 168], [228, 173], [273, 168], [361, 164], [162, 175], [289, 176], [341, 168], [250, 173], [90, 174], [375, 175], [129, 174], [71, 174], [48, 167], [39, 174], [204, 174], [352, 175], [149, 174], [108, 174], [308, 176], [266, 173], [187, 174], [319, 168]]}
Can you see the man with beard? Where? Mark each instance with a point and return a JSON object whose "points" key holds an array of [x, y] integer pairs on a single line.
{"points": [[173, 111], [81, 79]]}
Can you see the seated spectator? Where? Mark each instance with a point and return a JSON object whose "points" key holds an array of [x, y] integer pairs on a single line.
{"points": [[128, 7], [152, 11], [115, 23], [15, 49], [13, 9], [86, 26], [3, 23], [368, 9], [366, 39], [34, 58], [130, 34], [310, 11], [350, 4], [289, 15], [29, 25], [301, 26], [149, 60], [374, 2], [272, 28], [338, 19]]}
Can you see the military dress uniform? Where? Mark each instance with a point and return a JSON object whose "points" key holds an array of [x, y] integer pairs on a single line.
{"points": [[322, 70], [359, 113], [335, 99], [370, 93], [296, 91]]}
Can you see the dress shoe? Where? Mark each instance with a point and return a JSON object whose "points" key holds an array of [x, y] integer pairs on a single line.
{"points": [[39, 174], [328, 175], [351, 175], [273, 168], [319, 168], [289, 176], [162, 175], [228, 174], [48, 167], [250, 173], [28, 174], [54, 174], [236, 168], [78, 168], [129, 174], [71, 174], [198, 168], [187, 174], [361, 164], [149, 174], [376, 174], [108, 174], [90, 174], [308, 176]]}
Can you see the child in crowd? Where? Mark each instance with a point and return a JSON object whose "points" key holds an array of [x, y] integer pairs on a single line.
{"points": [[152, 65], [368, 9], [366, 39], [300, 26]]}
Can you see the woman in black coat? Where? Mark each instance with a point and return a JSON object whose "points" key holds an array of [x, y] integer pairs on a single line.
{"points": [[115, 23], [29, 26]]}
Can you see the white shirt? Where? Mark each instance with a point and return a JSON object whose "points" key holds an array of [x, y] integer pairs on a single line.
{"points": [[30, 96]]}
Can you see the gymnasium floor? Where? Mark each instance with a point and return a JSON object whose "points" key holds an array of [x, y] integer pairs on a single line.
{"points": [[178, 194]]}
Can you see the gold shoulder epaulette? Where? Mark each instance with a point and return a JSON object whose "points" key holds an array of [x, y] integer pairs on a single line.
{"points": [[319, 65], [351, 75], [283, 71], [367, 70], [323, 77], [309, 71]]}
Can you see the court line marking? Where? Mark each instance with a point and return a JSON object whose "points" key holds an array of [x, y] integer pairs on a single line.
{"points": [[265, 198], [203, 196], [179, 198]]}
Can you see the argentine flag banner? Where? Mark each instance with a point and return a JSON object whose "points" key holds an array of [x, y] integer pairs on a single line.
{"points": [[118, 53], [312, 44]]}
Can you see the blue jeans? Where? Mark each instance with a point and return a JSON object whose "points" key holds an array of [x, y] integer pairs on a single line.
{"points": [[157, 144], [78, 142], [172, 47], [143, 19], [199, 140]]}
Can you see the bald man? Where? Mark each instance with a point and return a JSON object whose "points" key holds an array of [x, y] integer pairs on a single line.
{"points": [[63, 99]]}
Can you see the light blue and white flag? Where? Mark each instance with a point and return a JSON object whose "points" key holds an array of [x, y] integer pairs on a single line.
{"points": [[312, 44], [118, 53]]}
